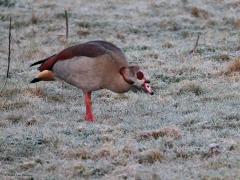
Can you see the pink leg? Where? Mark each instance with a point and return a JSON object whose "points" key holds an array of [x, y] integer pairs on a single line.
{"points": [[89, 114]]}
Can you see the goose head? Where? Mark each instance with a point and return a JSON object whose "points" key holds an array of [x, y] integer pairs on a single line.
{"points": [[135, 76]]}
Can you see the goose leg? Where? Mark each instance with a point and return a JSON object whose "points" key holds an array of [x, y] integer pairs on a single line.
{"points": [[89, 114]]}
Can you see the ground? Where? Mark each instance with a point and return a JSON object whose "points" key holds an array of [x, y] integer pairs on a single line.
{"points": [[190, 128]]}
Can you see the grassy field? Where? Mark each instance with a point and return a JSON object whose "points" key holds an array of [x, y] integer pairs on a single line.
{"points": [[190, 128]]}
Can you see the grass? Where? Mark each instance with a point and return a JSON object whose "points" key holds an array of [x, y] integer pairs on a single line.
{"points": [[188, 130], [234, 67], [7, 3]]}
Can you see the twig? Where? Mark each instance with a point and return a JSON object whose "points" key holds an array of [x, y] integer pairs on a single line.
{"points": [[195, 47], [66, 16], [9, 47]]}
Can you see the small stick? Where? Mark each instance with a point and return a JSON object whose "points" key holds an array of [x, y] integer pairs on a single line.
{"points": [[9, 46], [66, 16], [195, 47]]}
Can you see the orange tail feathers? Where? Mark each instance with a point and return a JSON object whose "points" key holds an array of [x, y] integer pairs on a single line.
{"points": [[45, 75]]}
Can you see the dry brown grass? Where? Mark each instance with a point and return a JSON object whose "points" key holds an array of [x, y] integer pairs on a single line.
{"points": [[168, 45], [182, 153], [9, 105], [170, 132], [150, 156], [3, 123], [129, 150], [234, 67], [190, 87], [200, 13], [56, 98], [83, 32], [15, 118], [79, 169], [197, 105], [237, 23], [106, 152], [150, 175], [78, 153], [151, 55], [31, 122], [9, 92], [28, 165], [121, 36], [222, 57], [35, 92], [51, 168]]}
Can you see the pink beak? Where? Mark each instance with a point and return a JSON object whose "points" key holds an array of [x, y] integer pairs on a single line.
{"points": [[147, 88]]}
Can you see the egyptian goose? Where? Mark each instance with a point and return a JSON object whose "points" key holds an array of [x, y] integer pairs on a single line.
{"points": [[92, 66]]}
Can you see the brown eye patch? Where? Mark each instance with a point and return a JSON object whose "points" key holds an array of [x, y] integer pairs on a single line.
{"points": [[140, 75]]}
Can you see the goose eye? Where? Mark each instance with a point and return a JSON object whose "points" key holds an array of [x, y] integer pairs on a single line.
{"points": [[140, 75]]}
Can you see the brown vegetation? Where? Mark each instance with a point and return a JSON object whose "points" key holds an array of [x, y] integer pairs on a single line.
{"points": [[150, 156], [170, 132], [191, 121], [200, 13], [234, 66]]}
